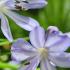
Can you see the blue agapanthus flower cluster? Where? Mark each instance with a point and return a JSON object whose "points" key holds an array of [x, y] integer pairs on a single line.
{"points": [[46, 49]]}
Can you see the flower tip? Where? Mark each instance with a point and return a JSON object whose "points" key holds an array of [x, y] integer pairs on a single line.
{"points": [[10, 40], [53, 28], [46, 2]]}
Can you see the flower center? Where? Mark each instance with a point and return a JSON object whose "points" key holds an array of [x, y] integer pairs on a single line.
{"points": [[2, 4], [43, 52]]}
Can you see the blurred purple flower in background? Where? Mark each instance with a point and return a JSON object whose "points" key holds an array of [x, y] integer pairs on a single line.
{"points": [[47, 48], [31, 4], [6, 9]]}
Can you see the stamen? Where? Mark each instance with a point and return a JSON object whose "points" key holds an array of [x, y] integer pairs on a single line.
{"points": [[43, 52]]}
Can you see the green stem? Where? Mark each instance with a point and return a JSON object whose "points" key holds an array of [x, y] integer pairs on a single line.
{"points": [[7, 65], [38, 68]]}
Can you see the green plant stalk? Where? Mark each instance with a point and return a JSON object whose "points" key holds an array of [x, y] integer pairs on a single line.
{"points": [[38, 68], [7, 65]]}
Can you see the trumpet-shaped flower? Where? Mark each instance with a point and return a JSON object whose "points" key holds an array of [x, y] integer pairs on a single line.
{"points": [[6, 7], [47, 48], [31, 4]]}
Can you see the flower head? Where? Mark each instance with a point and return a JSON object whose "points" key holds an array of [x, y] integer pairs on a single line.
{"points": [[6, 9], [47, 48]]}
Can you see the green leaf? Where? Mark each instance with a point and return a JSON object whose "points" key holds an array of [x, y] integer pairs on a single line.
{"points": [[58, 12], [6, 65]]}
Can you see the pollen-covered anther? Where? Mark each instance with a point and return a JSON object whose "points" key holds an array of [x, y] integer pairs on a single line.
{"points": [[43, 52]]}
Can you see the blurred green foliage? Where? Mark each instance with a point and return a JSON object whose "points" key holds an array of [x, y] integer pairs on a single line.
{"points": [[56, 13]]}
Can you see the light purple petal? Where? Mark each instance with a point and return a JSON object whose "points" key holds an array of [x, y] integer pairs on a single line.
{"points": [[54, 53], [61, 45], [52, 38], [33, 64], [5, 28], [33, 4], [63, 60], [68, 34], [21, 50], [37, 37], [13, 62], [36, 1], [46, 65], [26, 23], [19, 56], [10, 4]]}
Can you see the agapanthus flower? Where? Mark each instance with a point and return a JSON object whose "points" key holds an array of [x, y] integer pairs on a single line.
{"points": [[46, 49], [31, 4], [6, 9]]}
